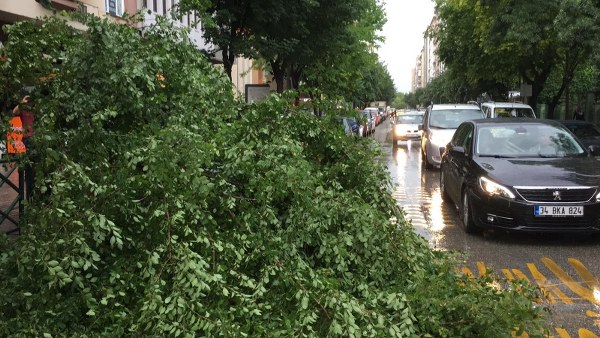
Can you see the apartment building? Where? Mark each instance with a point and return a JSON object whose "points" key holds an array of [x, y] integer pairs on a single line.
{"points": [[14, 10], [428, 65]]}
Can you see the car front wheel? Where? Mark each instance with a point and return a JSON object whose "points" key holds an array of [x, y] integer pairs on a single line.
{"points": [[445, 196], [426, 163], [467, 217]]}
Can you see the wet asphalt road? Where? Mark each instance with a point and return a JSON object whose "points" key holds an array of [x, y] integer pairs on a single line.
{"points": [[566, 267]]}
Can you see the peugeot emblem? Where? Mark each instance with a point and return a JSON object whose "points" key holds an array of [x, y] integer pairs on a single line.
{"points": [[556, 195]]}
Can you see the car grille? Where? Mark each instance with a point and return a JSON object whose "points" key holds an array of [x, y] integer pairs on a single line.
{"points": [[549, 194], [566, 223]]}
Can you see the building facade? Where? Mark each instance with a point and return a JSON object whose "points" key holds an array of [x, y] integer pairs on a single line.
{"points": [[428, 65], [11, 11]]}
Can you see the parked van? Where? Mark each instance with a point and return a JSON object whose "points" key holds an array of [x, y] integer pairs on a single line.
{"points": [[507, 109]]}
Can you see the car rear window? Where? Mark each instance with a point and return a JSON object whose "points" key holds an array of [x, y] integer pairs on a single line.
{"points": [[452, 118]]}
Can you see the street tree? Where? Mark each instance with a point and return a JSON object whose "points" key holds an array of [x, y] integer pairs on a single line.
{"points": [[497, 44]]}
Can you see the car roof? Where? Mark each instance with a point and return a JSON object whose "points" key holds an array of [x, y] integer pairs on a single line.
{"points": [[574, 122], [513, 120], [444, 106], [506, 104]]}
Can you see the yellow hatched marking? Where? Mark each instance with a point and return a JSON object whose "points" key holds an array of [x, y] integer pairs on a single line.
{"points": [[548, 288], [481, 268], [592, 314], [572, 284], [508, 275], [520, 275], [584, 273], [467, 272], [584, 333], [562, 333]]}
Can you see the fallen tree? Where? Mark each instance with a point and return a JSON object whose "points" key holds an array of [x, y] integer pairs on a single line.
{"points": [[163, 207]]}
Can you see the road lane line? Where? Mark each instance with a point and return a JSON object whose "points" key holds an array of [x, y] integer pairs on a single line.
{"points": [[546, 287], [569, 282], [585, 274]]}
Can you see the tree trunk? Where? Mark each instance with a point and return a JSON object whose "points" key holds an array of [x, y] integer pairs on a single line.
{"points": [[278, 74], [228, 60]]}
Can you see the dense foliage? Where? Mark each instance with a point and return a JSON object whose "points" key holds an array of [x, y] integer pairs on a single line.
{"points": [[494, 46], [164, 208]]}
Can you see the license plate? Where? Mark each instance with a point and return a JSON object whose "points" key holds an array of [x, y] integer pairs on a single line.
{"points": [[559, 210]]}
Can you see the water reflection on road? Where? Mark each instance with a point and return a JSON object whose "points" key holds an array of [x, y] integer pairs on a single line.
{"points": [[419, 193]]}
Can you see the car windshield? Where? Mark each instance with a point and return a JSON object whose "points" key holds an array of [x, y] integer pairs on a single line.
{"points": [[409, 119], [452, 118], [514, 112], [526, 140]]}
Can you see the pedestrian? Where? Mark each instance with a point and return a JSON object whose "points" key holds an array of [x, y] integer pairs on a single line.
{"points": [[578, 114], [23, 111]]}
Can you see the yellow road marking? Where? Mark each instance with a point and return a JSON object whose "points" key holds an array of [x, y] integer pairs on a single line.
{"points": [[481, 269], [520, 275], [467, 272], [562, 333], [585, 274], [508, 275], [584, 333], [592, 314], [569, 282], [542, 282]]}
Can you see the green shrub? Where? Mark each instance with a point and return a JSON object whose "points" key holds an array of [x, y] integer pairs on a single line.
{"points": [[164, 207]]}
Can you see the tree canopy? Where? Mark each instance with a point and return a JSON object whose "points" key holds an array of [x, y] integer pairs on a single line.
{"points": [[494, 46]]}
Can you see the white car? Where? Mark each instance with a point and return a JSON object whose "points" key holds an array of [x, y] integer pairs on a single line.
{"points": [[507, 109], [439, 124], [406, 127]]}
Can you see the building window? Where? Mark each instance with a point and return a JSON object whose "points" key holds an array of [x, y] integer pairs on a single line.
{"points": [[164, 7], [154, 5], [114, 7]]}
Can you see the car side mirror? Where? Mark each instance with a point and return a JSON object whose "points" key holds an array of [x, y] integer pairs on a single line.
{"points": [[458, 150], [594, 150]]}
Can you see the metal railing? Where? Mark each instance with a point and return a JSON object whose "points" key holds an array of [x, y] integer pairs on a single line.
{"points": [[11, 195]]}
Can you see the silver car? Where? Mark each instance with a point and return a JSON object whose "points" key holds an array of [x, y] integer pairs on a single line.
{"points": [[439, 124]]}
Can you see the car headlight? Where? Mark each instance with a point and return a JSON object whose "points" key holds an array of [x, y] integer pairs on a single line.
{"points": [[438, 140], [494, 189], [598, 197]]}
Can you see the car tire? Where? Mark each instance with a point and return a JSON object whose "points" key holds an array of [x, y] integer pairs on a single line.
{"points": [[466, 215], [445, 196], [426, 163]]}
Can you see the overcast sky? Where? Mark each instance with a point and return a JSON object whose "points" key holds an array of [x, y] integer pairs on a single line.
{"points": [[403, 32]]}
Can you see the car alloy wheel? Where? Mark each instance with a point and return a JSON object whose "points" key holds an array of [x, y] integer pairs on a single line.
{"points": [[467, 218], [445, 196]]}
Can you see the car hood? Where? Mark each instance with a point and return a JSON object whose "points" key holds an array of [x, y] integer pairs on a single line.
{"points": [[568, 171], [407, 126], [443, 134]]}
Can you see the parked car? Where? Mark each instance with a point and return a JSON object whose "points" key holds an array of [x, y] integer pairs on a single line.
{"points": [[369, 122], [521, 175], [507, 109], [351, 126], [406, 127], [375, 116], [439, 123], [586, 132]]}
